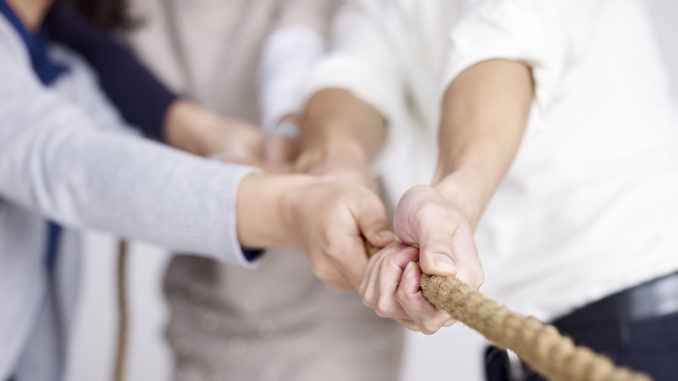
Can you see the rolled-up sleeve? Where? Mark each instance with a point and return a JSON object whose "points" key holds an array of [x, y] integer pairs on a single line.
{"points": [[362, 58], [536, 32]]}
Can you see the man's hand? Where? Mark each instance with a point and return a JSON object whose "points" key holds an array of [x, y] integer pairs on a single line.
{"points": [[192, 128], [391, 287], [426, 219], [435, 232]]}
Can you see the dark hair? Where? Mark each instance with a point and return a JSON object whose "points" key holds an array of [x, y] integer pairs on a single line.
{"points": [[107, 14]]}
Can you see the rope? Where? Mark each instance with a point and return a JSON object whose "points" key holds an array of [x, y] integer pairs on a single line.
{"points": [[121, 345], [540, 345]]}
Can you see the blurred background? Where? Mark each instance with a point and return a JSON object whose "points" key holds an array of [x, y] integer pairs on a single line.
{"points": [[452, 351]]}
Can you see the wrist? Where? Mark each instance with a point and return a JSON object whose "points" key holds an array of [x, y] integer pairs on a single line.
{"points": [[183, 127], [333, 144], [267, 207], [466, 191]]}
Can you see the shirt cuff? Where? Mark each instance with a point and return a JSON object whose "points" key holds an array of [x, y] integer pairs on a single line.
{"points": [[287, 57]]}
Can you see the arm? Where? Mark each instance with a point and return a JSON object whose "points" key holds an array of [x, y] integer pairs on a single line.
{"points": [[140, 97], [505, 53], [55, 161], [485, 111], [340, 135], [352, 94], [288, 55], [147, 103]]}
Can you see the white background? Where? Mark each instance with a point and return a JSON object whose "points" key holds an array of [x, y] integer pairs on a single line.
{"points": [[452, 351]]}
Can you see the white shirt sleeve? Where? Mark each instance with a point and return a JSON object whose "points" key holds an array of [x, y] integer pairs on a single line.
{"points": [[288, 55], [549, 36], [362, 58]]}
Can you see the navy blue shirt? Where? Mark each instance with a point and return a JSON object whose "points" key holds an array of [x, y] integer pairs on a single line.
{"points": [[139, 96]]}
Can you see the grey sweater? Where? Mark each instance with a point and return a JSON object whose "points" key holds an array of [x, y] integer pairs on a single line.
{"points": [[65, 154]]}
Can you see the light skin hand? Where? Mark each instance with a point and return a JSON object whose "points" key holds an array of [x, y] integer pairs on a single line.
{"points": [[437, 235], [485, 111], [280, 150], [391, 287], [339, 136], [195, 129], [327, 219]]}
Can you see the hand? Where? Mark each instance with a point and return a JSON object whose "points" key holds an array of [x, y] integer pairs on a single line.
{"points": [[391, 287], [195, 129], [341, 160], [326, 218], [279, 150], [433, 223], [339, 136], [332, 219]]}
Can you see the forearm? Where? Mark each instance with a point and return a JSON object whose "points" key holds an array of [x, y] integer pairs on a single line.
{"points": [[264, 209], [141, 98], [336, 121], [485, 111]]}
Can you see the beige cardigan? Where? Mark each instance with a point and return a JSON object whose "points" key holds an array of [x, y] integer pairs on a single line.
{"points": [[226, 322], [210, 49]]}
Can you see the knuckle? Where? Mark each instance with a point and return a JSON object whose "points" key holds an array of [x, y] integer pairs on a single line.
{"points": [[332, 247], [322, 271], [479, 279], [403, 296], [430, 327], [412, 327], [391, 263], [368, 299], [384, 307]]}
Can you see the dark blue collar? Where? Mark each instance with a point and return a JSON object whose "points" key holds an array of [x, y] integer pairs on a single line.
{"points": [[36, 43]]}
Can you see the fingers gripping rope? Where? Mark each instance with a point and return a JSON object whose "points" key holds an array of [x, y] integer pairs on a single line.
{"points": [[540, 345]]}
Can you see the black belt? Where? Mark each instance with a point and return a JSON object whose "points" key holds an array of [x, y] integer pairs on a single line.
{"points": [[603, 325]]}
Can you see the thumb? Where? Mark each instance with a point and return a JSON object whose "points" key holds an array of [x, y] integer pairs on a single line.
{"points": [[371, 218], [436, 256]]}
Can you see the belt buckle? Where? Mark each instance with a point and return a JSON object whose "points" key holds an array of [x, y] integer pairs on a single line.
{"points": [[516, 370]]}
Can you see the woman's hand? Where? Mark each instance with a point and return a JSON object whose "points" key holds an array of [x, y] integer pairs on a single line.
{"points": [[195, 129], [328, 219]]}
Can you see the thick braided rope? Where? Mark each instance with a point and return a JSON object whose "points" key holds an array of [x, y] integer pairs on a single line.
{"points": [[540, 345]]}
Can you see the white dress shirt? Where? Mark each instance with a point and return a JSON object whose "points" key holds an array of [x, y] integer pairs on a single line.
{"points": [[589, 205]]}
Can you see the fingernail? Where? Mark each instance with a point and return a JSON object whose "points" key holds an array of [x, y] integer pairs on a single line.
{"points": [[444, 264], [409, 269]]}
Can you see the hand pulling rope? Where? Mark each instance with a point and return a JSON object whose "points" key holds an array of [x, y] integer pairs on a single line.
{"points": [[540, 345]]}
